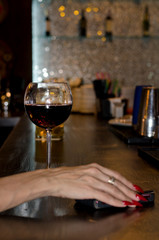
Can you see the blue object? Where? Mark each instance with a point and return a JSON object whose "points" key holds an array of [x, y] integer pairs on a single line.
{"points": [[136, 106]]}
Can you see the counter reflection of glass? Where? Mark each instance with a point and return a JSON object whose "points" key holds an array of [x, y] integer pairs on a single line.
{"points": [[48, 105], [56, 133]]}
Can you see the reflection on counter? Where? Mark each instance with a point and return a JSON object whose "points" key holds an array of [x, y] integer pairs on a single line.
{"points": [[57, 133]]}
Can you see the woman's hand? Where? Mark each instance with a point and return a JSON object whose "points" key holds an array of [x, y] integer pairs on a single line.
{"points": [[93, 182], [83, 182]]}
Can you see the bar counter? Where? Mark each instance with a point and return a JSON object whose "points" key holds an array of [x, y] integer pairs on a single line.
{"points": [[87, 139]]}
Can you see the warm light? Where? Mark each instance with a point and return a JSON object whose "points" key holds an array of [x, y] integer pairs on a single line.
{"points": [[76, 12], [103, 39], [3, 97], [61, 8], [8, 94], [88, 9], [43, 136], [95, 9], [62, 14], [99, 33]]}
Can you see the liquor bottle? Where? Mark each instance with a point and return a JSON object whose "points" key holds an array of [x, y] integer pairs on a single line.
{"points": [[83, 25], [47, 24], [108, 27], [146, 22]]}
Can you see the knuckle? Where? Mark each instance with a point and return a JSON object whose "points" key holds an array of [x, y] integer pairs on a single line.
{"points": [[117, 174], [94, 171], [96, 165]]}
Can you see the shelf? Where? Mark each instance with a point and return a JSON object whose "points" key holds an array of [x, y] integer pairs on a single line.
{"points": [[54, 38], [86, 1]]}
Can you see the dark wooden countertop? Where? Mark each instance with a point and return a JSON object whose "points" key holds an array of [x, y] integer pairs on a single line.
{"points": [[9, 118], [86, 139]]}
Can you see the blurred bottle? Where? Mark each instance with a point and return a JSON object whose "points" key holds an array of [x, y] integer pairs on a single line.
{"points": [[146, 23], [108, 27], [47, 24], [83, 25]]}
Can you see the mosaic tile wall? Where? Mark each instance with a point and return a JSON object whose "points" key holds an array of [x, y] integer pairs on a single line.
{"points": [[130, 58]]}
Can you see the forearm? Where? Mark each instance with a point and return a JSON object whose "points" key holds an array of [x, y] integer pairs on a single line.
{"points": [[20, 188], [82, 182]]}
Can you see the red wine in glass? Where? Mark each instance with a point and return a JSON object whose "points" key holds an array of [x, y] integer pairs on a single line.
{"points": [[48, 116], [48, 105]]}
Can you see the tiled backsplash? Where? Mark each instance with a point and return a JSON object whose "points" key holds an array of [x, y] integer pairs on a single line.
{"points": [[130, 58]]}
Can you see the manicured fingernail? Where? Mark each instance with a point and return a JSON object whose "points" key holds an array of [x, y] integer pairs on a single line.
{"points": [[136, 203], [137, 188], [127, 203], [140, 197]]}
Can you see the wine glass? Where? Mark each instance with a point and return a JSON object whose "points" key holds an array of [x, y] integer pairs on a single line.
{"points": [[48, 105]]}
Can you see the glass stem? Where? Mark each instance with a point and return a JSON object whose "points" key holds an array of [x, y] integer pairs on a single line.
{"points": [[48, 133]]}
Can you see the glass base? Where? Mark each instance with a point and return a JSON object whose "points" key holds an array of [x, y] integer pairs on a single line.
{"points": [[57, 133]]}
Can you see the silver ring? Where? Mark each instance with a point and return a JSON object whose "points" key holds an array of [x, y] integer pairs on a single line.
{"points": [[111, 180]]}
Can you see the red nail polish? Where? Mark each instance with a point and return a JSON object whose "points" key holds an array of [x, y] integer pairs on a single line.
{"points": [[127, 203], [139, 189], [136, 203], [140, 197]]}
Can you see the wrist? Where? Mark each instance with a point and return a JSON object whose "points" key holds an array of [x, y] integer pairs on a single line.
{"points": [[48, 186]]}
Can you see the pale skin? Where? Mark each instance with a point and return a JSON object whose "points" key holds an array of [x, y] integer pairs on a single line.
{"points": [[82, 182]]}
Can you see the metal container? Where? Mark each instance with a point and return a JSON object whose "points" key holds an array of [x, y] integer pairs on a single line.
{"points": [[136, 105], [148, 111]]}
